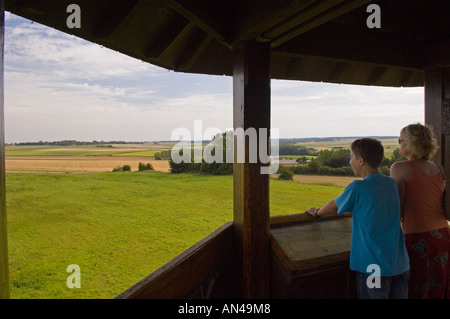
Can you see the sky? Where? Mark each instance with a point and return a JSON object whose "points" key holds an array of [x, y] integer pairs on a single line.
{"points": [[60, 87]]}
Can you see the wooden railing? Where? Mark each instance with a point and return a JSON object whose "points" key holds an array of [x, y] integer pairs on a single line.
{"points": [[210, 268], [202, 271]]}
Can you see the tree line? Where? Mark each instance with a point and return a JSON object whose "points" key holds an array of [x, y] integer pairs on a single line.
{"points": [[71, 143], [202, 166], [334, 162]]}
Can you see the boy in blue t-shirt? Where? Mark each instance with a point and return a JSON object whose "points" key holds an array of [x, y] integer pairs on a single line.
{"points": [[378, 253]]}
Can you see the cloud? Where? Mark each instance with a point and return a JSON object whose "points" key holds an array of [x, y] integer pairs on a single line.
{"points": [[41, 49], [318, 109], [58, 87]]}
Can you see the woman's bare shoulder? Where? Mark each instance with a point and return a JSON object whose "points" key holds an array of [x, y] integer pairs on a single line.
{"points": [[400, 165], [401, 170]]}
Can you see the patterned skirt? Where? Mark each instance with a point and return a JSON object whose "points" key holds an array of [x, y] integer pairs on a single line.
{"points": [[430, 264]]}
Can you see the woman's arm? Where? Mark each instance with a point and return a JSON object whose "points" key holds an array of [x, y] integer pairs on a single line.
{"points": [[398, 173]]}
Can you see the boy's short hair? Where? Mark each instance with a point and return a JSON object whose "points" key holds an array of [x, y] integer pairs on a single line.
{"points": [[370, 149]]}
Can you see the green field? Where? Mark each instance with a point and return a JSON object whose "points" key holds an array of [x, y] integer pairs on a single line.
{"points": [[389, 144], [85, 150], [119, 227]]}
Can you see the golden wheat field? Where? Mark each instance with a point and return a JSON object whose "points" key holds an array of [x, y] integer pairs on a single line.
{"points": [[78, 164]]}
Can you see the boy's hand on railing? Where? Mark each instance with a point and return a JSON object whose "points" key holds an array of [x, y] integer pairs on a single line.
{"points": [[329, 209], [312, 211]]}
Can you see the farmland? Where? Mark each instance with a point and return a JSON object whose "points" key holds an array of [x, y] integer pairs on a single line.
{"points": [[66, 206], [75, 159], [103, 158]]}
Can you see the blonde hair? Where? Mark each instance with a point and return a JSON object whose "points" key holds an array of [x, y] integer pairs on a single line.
{"points": [[419, 140]]}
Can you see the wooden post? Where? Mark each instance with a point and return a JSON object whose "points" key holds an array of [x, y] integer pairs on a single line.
{"points": [[437, 111], [4, 264], [251, 110]]}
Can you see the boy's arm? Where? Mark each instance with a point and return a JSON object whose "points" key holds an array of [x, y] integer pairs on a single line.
{"points": [[330, 209]]}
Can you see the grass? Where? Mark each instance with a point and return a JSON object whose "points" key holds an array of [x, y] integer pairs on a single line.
{"points": [[119, 227], [79, 151], [59, 151]]}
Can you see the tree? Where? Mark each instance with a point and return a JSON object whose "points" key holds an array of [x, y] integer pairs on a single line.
{"points": [[145, 167], [286, 174]]}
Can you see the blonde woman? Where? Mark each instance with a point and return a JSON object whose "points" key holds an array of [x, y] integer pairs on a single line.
{"points": [[421, 184]]}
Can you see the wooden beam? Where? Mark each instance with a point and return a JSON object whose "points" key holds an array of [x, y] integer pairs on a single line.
{"points": [[406, 78], [377, 74], [295, 66], [312, 17], [338, 42], [166, 38], [337, 72], [193, 52], [200, 14], [251, 110], [308, 12], [436, 54], [255, 17], [437, 111], [180, 44], [4, 263], [113, 17]]}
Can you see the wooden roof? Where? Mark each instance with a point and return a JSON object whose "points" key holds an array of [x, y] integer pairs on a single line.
{"points": [[312, 40]]}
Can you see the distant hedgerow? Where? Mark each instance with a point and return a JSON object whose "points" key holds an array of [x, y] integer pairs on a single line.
{"points": [[125, 168], [145, 167]]}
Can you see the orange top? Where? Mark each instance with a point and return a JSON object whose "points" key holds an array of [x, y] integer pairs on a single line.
{"points": [[423, 202]]}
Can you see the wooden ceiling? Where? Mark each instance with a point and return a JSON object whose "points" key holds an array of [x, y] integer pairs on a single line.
{"points": [[311, 40]]}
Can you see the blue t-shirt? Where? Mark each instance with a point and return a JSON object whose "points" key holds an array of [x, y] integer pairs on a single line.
{"points": [[376, 234]]}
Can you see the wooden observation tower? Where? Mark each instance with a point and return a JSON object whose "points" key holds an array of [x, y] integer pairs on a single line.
{"points": [[254, 41]]}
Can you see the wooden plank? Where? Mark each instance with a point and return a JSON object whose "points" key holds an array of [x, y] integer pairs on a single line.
{"points": [[376, 75], [113, 17], [308, 12], [253, 18], [193, 52], [284, 220], [180, 276], [437, 111], [201, 15], [338, 42], [251, 109], [434, 97], [4, 264], [165, 39], [314, 17]]}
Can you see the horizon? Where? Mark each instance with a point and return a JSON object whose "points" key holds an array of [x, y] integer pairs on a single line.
{"points": [[326, 138]]}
